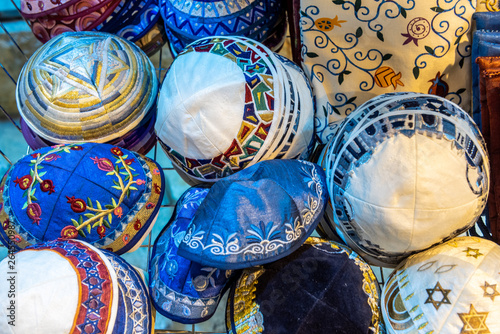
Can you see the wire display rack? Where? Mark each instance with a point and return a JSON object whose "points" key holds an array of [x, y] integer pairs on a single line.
{"points": [[175, 185]]}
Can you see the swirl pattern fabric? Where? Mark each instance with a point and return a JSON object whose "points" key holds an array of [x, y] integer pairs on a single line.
{"points": [[355, 50]]}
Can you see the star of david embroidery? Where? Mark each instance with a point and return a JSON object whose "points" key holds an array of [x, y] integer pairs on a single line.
{"points": [[437, 303], [85, 66], [474, 322], [490, 290], [472, 252]]}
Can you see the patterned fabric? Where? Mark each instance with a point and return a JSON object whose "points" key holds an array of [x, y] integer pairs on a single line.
{"points": [[298, 295], [489, 101], [181, 290], [135, 313], [247, 105], [68, 273], [401, 165], [451, 288], [269, 210], [355, 50], [104, 195], [86, 87], [485, 43], [187, 21]]}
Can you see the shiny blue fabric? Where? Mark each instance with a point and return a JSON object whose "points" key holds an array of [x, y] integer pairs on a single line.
{"points": [[485, 43], [258, 215], [182, 290]]}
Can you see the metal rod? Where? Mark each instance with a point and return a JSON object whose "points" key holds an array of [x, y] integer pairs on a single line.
{"points": [[7, 72], [5, 157], [10, 118], [13, 40]]}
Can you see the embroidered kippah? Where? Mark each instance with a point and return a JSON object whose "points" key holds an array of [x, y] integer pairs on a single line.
{"points": [[86, 86], [323, 287], [405, 171], [450, 288], [68, 286], [246, 105], [187, 21], [102, 194], [181, 290], [257, 215]]}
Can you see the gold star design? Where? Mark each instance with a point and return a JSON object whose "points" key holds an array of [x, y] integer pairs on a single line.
{"points": [[337, 22], [473, 252], [490, 290], [437, 303], [474, 322]]}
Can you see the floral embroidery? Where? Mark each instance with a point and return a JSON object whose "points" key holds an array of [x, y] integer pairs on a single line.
{"points": [[150, 205], [140, 182], [24, 182], [137, 224], [98, 216], [34, 211], [265, 238], [6, 224], [47, 186]]}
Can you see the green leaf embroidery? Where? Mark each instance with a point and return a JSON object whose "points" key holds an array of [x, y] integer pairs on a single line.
{"points": [[105, 223], [311, 54], [98, 205], [89, 202], [32, 172], [336, 110], [132, 188], [33, 198], [128, 192], [380, 36], [357, 5], [95, 224], [116, 187], [351, 100], [116, 183], [109, 206], [113, 201], [131, 168], [429, 49], [40, 167], [110, 173], [80, 232], [416, 72], [437, 9], [134, 175], [403, 12], [75, 223], [359, 32], [80, 220], [117, 170], [110, 217], [25, 205], [89, 215], [89, 228]]}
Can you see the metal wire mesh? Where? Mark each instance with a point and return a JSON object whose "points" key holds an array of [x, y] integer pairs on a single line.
{"points": [[163, 326]]}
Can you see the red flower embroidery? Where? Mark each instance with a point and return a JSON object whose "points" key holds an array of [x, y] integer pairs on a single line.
{"points": [[118, 211], [34, 211], [76, 148], [77, 204], [6, 224], [129, 161], [116, 151], [16, 238], [137, 224], [156, 171], [103, 164], [140, 182], [69, 232], [150, 205], [35, 155], [101, 230], [52, 157], [47, 185], [24, 182], [126, 238], [157, 188]]}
